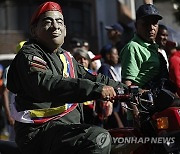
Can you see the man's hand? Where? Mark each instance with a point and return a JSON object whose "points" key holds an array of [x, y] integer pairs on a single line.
{"points": [[108, 93]]}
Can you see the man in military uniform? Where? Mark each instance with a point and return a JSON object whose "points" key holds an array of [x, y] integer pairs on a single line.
{"points": [[48, 82]]}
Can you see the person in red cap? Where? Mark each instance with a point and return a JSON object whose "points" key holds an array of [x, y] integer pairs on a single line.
{"points": [[48, 82]]}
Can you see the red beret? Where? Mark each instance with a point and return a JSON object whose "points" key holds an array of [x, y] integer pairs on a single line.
{"points": [[47, 6]]}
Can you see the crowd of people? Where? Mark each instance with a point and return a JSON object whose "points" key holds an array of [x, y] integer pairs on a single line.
{"points": [[63, 99]]}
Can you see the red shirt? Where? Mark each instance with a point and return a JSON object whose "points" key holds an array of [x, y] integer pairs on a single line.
{"points": [[174, 69]]}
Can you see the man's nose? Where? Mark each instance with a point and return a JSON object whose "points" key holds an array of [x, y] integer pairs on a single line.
{"points": [[55, 24], [166, 37], [151, 26]]}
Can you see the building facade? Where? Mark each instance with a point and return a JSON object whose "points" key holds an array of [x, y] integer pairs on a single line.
{"points": [[84, 19]]}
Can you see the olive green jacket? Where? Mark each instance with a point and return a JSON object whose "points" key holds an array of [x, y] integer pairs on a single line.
{"points": [[36, 76]]}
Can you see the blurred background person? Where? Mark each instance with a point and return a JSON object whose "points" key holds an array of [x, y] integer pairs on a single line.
{"points": [[95, 59], [2, 120], [77, 43], [8, 98], [81, 55], [115, 33], [1, 81], [110, 56], [174, 64], [161, 40], [85, 45], [74, 44]]}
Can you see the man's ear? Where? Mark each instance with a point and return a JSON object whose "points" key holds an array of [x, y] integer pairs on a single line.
{"points": [[65, 31]]}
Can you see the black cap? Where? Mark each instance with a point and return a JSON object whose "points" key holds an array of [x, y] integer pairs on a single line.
{"points": [[116, 26], [106, 50], [147, 10], [76, 42]]}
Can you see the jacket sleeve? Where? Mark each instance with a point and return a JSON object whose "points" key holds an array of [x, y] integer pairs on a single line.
{"points": [[99, 78]]}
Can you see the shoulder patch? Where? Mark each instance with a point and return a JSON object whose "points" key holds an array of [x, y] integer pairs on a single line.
{"points": [[39, 60], [37, 64]]}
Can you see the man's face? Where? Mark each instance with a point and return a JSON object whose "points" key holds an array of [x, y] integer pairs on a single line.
{"points": [[50, 29], [113, 34], [161, 38], [147, 28]]}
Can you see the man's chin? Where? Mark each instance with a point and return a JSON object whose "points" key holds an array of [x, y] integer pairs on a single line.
{"points": [[164, 44], [151, 39], [58, 42]]}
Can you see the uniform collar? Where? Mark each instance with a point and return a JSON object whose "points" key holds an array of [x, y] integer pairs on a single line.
{"points": [[59, 50]]}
